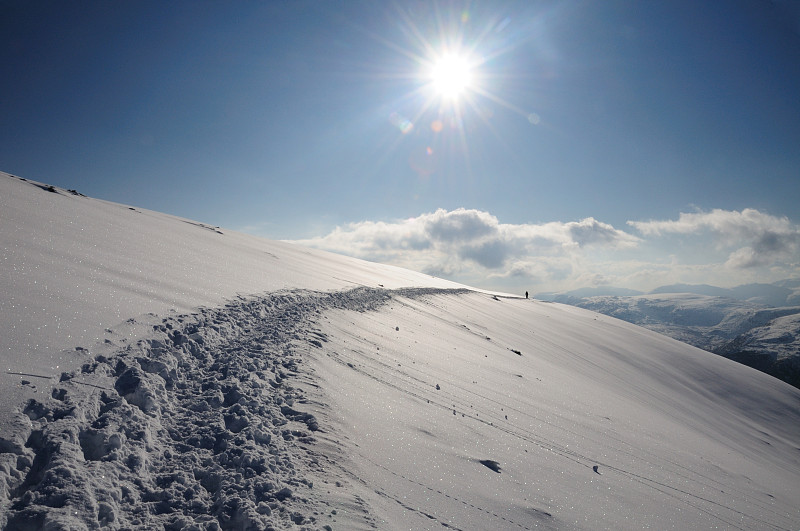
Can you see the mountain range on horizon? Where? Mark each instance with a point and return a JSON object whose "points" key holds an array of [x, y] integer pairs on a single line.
{"points": [[774, 294]]}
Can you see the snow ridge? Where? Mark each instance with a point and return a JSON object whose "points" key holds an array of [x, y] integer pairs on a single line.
{"points": [[198, 427]]}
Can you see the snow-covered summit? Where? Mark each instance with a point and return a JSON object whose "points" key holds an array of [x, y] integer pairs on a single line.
{"points": [[160, 373]]}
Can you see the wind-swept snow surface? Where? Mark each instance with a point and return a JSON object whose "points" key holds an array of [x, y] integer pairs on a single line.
{"points": [[767, 339], [226, 382], [473, 412], [78, 272]]}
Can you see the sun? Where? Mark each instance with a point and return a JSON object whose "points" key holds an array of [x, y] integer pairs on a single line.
{"points": [[451, 75], [450, 71]]}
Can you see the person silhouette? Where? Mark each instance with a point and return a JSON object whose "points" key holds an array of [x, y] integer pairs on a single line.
{"points": [[526, 294]]}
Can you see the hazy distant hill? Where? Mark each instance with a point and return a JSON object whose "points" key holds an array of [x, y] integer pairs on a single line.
{"points": [[755, 324], [583, 293], [766, 294]]}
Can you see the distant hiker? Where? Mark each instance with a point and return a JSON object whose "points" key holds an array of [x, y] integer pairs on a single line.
{"points": [[526, 294]]}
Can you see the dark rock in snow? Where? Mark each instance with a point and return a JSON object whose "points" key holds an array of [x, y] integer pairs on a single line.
{"points": [[490, 464]]}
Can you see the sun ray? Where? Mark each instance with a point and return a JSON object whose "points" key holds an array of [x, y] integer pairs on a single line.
{"points": [[450, 63]]}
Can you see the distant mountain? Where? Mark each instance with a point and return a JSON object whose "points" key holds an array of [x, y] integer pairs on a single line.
{"points": [[773, 348], [699, 289], [776, 294], [583, 293], [755, 324], [766, 294]]}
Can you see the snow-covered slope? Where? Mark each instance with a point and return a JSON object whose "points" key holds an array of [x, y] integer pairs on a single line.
{"points": [[594, 423], [78, 272], [228, 382], [764, 338]]}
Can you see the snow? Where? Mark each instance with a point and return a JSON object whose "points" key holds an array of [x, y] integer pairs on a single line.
{"points": [[78, 272], [163, 374], [764, 338], [672, 431]]}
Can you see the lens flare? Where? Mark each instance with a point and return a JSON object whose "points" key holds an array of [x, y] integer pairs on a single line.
{"points": [[401, 122]]}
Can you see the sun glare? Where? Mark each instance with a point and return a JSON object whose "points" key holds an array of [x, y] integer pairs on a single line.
{"points": [[452, 63], [451, 76]]}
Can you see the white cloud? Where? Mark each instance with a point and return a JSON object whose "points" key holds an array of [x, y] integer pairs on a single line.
{"points": [[471, 246], [592, 232], [473, 243], [757, 239], [459, 225]]}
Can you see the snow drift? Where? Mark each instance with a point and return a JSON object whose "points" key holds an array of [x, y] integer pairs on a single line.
{"points": [[160, 373]]}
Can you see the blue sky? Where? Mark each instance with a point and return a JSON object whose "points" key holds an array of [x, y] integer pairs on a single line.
{"points": [[617, 142]]}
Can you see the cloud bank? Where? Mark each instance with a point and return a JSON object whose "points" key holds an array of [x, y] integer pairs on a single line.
{"points": [[473, 246], [759, 239]]}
